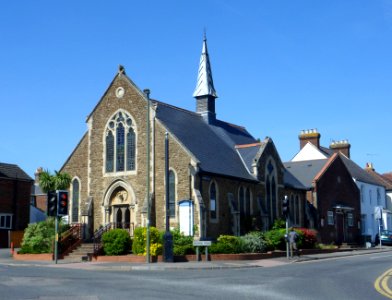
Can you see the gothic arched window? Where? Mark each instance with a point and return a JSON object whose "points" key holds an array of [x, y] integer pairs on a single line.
{"points": [[213, 201], [75, 200], [120, 144]]}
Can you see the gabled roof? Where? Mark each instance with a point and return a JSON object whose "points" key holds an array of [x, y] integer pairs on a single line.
{"points": [[212, 144], [358, 173], [248, 153], [305, 171], [11, 171], [381, 178]]}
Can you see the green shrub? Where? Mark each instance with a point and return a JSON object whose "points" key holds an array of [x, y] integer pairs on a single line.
{"points": [[39, 237], [140, 238], [275, 239], [253, 242], [279, 224], [226, 244], [182, 244], [116, 242]]}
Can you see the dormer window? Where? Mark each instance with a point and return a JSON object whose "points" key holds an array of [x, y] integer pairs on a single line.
{"points": [[120, 144]]}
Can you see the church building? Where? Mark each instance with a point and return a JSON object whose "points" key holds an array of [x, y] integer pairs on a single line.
{"points": [[221, 180]]}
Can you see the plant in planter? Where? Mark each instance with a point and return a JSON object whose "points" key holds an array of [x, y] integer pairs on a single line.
{"points": [[182, 244], [253, 242]]}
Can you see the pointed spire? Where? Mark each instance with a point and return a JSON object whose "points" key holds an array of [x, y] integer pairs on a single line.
{"points": [[205, 84]]}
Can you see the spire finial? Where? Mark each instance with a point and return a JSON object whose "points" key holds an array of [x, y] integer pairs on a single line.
{"points": [[205, 34], [205, 84]]}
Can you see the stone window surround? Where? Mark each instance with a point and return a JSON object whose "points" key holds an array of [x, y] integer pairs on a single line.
{"points": [[106, 130], [72, 200], [216, 219]]}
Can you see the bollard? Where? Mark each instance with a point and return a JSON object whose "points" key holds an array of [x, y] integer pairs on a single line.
{"points": [[12, 248]]}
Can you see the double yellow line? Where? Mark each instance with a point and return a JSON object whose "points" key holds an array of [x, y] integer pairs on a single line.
{"points": [[381, 284]]}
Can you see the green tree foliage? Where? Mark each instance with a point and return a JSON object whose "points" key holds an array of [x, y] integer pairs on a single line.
{"points": [[116, 242], [58, 181]]}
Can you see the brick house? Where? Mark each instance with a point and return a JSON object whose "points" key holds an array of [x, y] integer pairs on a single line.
{"points": [[232, 182], [333, 200], [15, 191]]}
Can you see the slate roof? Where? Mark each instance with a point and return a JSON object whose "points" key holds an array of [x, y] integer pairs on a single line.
{"points": [[358, 173], [305, 171], [12, 171], [248, 153], [213, 145]]}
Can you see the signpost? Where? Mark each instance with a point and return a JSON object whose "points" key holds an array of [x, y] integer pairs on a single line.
{"points": [[198, 244]]}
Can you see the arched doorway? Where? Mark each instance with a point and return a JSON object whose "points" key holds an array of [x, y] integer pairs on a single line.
{"points": [[119, 204]]}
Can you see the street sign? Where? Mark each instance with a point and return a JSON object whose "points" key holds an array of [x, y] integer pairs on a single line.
{"points": [[201, 243]]}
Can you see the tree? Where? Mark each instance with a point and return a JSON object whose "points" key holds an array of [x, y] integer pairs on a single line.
{"points": [[58, 181]]}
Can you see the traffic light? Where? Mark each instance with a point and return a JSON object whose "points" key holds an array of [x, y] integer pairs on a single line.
{"points": [[62, 207], [51, 207], [285, 207]]}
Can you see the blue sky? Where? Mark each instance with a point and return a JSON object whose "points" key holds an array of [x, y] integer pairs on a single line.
{"points": [[279, 66]]}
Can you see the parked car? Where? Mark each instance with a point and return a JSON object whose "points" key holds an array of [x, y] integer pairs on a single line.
{"points": [[386, 237]]}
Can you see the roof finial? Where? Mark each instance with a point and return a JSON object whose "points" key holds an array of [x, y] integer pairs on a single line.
{"points": [[205, 34]]}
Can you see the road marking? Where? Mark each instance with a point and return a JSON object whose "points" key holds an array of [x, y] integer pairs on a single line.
{"points": [[381, 284]]}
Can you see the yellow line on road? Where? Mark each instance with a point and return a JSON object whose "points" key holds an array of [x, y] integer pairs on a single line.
{"points": [[381, 284]]}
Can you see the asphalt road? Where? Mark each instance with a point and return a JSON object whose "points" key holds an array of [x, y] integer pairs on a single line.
{"points": [[338, 278]]}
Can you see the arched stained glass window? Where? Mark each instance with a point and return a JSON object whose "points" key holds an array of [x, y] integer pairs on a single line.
{"points": [[120, 144], [247, 202], [120, 148], [75, 200], [131, 149], [109, 152], [242, 200], [213, 201]]}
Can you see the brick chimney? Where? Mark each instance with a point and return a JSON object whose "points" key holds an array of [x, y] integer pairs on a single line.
{"points": [[36, 174], [369, 166], [310, 135], [341, 146]]}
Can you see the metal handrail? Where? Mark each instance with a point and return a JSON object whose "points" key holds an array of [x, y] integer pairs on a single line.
{"points": [[70, 238]]}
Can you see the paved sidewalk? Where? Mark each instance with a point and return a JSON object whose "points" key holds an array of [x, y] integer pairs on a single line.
{"points": [[6, 259]]}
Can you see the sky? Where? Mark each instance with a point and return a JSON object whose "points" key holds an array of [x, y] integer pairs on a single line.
{"points": [[279, 67]]}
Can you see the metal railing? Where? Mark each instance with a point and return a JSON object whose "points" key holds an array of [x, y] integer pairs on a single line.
{"points": [[71, 238], [97, 239]]}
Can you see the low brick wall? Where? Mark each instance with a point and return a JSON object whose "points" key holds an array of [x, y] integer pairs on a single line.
{"points": [[43, 256]]}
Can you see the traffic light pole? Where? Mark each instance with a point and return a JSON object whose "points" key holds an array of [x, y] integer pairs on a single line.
{"points": [[56, 238], [287, 239]]}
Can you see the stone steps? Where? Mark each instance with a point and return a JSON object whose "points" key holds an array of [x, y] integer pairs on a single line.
{"points": [[81, 253]]}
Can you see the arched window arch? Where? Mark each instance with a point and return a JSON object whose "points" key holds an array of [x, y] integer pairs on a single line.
{"points": [[172, 194], [75, 200], [271, 190], [213, 201], [247, 202], [120, 143], [241, 199]]}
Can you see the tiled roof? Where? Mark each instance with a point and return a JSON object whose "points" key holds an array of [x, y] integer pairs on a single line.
{"points": [[305, 171], [13, 172], [358, 173], [381, 178], [213, 145], [388, 176], [248, 153]]}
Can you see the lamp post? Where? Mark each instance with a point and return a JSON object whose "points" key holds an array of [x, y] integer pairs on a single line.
{"points": [[168, 238], [147, 93]]}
